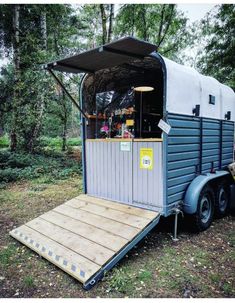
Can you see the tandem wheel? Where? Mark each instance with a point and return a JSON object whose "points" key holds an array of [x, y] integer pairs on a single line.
{"points": [[221, 199], [214, 199], [205, 209]]}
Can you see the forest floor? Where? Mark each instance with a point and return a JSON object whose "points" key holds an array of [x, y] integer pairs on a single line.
{"points": [[198, 265]]}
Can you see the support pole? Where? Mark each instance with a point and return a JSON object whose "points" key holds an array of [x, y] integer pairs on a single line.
{"points": [[141, 113], [175, 227], [67, 93], [176, 211]]}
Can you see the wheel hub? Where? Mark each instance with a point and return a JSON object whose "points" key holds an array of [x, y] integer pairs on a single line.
{"points": [[205, 209], [222, 200]]}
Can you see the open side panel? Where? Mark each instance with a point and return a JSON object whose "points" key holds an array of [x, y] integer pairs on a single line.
{"points": [[86, 236], [109, 55]]}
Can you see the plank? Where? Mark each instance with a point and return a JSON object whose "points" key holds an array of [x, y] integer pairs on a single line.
{"points": [[85, 230], [61, 256], [118, 206], [92, 251], [113, 214], [116, 228]]}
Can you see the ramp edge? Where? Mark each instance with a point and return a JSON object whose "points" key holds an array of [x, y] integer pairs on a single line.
{"points": [[48, 254], [111, 263]]}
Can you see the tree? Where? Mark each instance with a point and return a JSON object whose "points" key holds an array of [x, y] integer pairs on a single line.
{"points": [[217, 58], [161, 24], [16, 60], [33, 34]]}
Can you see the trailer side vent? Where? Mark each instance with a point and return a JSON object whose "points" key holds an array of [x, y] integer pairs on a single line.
{"points": [[212, 99], [196, 110], [228, 115]]}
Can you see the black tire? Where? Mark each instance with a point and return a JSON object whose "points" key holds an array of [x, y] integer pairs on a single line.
{"points": [[205, 209], [221, 199]]}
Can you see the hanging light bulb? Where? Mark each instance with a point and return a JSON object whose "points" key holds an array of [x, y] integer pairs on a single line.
{"points": [[143, 88]]}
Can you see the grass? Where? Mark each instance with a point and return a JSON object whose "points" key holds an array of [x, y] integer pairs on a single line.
{"points": [[6, 254], [52, 143], [56, 143], [199, 265], [29, 281], [121, 280]]}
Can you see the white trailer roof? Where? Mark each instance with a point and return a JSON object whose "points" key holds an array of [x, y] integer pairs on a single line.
{"points": [[186, 87]]}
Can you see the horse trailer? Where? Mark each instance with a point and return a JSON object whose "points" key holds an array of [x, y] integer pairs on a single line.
{"points": [[158, 139]]}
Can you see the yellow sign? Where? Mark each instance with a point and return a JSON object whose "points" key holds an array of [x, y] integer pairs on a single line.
{"points": [[130, 122], [146, 158]]}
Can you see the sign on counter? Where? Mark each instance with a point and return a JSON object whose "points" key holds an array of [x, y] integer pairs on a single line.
{"points": [[146, 158], [125, 146]]}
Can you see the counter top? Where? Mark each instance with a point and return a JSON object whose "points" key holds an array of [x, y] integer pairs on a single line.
{"points": [[126, 140]]}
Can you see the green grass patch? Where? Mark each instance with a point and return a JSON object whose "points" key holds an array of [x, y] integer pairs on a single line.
{"points": [[215, 278], [6, 254], [228, 289], [231, 238], [121, 280], [29, 281], [56, 143], [145, 275]]}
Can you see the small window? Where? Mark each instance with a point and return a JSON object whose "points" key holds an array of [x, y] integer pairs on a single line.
{"points": [[212, 99]]}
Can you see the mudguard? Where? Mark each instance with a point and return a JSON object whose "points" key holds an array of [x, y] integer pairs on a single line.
{"points": [[195, 188]]}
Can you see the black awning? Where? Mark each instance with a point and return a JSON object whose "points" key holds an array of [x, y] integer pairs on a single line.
{"points": [[108, 55]]}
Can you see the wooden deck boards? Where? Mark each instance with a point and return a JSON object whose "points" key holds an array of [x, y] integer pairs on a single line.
{"points": [[83, 234]]}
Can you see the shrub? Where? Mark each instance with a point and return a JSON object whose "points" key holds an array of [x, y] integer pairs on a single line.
{"points": [[4, 141], [21, 166]]}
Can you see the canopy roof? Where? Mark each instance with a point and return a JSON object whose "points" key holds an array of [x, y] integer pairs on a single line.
{"points": [[106, 56]]}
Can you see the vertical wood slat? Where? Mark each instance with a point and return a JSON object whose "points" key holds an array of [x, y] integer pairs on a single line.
{"points": [[148, 184], [116, 174]]}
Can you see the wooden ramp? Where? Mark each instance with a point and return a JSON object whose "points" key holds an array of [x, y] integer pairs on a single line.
{"points": [[86, 236]]}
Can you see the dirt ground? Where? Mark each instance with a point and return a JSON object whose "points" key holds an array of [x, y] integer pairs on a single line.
{"points": [[198, 265]]}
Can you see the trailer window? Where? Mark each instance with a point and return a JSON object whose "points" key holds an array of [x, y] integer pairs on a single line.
{"points": [[117, 110]]}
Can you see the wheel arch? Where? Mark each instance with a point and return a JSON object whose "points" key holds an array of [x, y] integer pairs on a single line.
{"points": [[195, 188]]}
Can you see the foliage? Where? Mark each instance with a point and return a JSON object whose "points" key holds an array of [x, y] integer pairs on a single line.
{"points": [[57, 142], [30, 93], [160, 24], [4, 141], [218, 34], [32, 107], [22, 166]]}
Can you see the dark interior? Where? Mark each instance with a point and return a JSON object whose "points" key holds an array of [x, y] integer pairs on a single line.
{"points": [[114, 106]]}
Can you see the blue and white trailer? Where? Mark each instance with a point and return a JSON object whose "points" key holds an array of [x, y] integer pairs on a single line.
{"points": [[158, 138]]}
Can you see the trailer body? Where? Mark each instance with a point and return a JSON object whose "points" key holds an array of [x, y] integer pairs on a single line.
{"points": [[198, 143], [155, 134]]}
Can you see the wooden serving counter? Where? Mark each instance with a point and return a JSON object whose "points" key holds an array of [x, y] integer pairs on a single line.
{"points": [[126, 140]]}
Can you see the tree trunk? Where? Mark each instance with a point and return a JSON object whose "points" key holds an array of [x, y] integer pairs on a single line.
{"points": [[145, 30], [64, 137], [16, 60], [103, 19], [37, 127], [43, 27], [111, 17], [168, 22], [65, 121], [38, 122], [133, 21]]}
